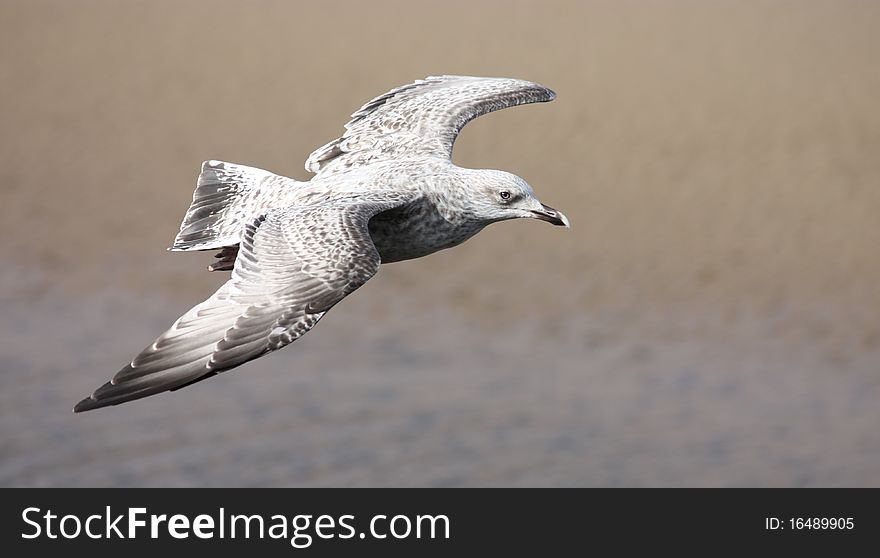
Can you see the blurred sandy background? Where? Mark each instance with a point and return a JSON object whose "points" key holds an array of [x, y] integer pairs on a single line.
{"points": [[710, 319]]}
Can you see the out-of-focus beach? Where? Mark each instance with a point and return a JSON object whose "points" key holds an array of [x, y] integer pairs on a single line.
{"points": [[712, 318]]}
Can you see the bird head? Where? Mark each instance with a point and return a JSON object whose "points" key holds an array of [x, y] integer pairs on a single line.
{"points": [[503, 196]]}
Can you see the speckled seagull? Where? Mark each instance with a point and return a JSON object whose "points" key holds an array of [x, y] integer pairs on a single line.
{"points": [[385, 191]]}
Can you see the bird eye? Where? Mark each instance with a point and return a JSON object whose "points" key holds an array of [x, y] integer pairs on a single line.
{"points": [[505, 195]]}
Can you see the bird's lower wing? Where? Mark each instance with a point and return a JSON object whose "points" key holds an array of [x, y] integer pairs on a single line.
{"points": [[293, 265]]}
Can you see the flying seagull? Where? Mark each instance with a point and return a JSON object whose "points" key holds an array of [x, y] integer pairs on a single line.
{"points": [[385, 191]]}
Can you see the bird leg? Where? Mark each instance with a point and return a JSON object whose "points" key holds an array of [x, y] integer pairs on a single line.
{"points": [[225, 259]]}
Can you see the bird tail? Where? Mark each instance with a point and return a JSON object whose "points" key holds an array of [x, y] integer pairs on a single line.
{"points": [[226, 197]]}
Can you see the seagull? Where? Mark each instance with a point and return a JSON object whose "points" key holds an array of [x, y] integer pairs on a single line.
{"points": [[384, 192]]}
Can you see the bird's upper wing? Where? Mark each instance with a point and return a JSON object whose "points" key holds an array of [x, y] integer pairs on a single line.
{"points": [[293, 265], [422, 117]]}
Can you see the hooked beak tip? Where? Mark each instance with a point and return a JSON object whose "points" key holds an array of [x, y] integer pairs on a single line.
{"points": [[564, 220]]}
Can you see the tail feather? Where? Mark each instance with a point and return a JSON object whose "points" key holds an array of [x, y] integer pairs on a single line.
{"points": [[226, 197]]}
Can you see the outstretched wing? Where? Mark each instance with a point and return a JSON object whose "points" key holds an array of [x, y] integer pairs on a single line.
{"points": [[422, 117], [293, 265]]}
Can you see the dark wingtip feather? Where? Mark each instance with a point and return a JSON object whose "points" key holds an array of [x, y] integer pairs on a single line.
{"points": [[86, 404]]}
